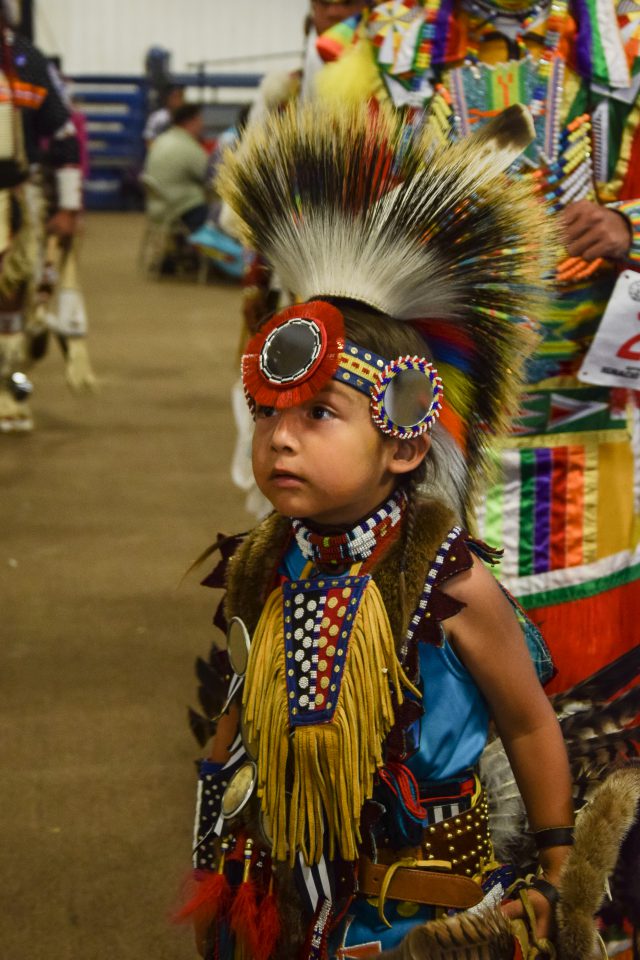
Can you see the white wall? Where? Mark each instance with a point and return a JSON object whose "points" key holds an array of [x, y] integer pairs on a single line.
{"points": [[113, 36]]}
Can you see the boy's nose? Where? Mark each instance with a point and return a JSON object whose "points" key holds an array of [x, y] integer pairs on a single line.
{"points": [[284, 432]]}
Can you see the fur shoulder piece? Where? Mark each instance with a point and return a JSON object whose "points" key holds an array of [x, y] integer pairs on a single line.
{"points": [[251, 570]]}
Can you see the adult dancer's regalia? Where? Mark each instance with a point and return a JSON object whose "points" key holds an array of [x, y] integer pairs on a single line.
{"points": [[565, 504]]}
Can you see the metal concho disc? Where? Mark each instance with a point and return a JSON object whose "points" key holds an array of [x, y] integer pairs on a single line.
{"points": [[238, 644], [239, 790], [291, 351]]}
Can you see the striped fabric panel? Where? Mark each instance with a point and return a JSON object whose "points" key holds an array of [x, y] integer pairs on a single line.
{"points": [[527, 511], [575, 507], [557, 488], [558, 513], [438, 813], [542, 517]]}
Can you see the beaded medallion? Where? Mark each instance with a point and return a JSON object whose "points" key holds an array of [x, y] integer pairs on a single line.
{"points": [[480, 91]]}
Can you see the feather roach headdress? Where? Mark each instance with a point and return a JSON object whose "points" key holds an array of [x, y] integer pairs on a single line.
{"points": [[356, 205]]}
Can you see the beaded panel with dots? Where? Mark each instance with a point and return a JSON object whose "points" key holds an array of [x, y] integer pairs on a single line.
{"points": [[211, 786], [318, 617]]}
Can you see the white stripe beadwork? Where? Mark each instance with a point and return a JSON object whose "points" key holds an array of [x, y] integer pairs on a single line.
{"points": [[430, 580], [360, 542]]}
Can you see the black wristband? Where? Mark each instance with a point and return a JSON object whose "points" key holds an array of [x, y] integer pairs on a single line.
{"points": [[548, 891], [553, 837]]}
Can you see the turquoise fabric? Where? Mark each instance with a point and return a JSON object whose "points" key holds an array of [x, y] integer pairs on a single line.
{"points": [[453, 731]]}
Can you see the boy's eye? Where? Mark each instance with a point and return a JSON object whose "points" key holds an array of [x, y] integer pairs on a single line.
{"points": [[263, 412], [320, 412]]}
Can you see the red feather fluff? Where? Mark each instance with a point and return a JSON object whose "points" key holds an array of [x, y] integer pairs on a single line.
{"points": [[265, 393], [244, 917], [269, 928], [209, 899]]}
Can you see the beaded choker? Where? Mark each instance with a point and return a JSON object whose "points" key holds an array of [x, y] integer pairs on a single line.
{"points": [[355, 545]]}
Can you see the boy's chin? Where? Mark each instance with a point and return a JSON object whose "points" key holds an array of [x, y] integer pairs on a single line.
{"points": [[287, 502]]}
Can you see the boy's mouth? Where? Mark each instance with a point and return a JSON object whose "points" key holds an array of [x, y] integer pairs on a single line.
{"points": [[285, 478]]}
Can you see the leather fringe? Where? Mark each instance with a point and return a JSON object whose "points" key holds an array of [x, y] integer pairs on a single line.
{"points": [[333, 764]]}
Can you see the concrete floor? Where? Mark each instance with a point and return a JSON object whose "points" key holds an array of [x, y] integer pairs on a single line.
{"points": [[103, 508]]}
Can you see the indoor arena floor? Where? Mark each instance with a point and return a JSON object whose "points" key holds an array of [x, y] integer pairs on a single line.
{"points": [[103, 508]]}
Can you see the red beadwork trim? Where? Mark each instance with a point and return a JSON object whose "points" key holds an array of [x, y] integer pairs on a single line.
{"points": [[264, 392]]}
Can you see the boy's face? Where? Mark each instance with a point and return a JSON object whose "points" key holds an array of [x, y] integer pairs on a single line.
{"points": [[325, 460]]}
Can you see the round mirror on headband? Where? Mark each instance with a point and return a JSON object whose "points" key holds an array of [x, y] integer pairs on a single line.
{"points": [[239, 790], [238, 643], [290, 351], [407, 397]]}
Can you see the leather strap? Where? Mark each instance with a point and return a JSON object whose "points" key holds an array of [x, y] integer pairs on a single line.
{"points": [[548, 891], [419, 885], [553, 837]]}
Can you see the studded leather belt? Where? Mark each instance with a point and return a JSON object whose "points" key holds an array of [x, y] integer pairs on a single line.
{"points": [[439, 871], [417, 884]]}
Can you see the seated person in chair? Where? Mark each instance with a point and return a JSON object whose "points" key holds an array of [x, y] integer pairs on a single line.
{"points": [[176, 167]]}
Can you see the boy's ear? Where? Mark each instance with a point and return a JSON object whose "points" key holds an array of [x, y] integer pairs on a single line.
{"points": [[409, 454]]}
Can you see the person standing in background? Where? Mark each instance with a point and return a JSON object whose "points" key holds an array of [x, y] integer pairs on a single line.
{"points": [[32, 110], [160, 120]]}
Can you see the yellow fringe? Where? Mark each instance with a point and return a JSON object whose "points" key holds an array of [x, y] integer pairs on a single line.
{"points": [[329, 767]]}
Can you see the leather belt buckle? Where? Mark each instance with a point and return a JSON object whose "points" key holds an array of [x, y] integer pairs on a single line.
{"points": [[427, 882]]}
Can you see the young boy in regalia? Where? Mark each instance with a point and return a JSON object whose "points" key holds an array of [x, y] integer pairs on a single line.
{"points": [[369, 646]]}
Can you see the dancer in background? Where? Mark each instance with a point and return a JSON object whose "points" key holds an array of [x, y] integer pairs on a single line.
{"points": [[32, 111], [564, 507]]}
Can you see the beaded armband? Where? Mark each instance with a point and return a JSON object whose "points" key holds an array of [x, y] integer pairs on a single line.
{"points": [[630, 209]]}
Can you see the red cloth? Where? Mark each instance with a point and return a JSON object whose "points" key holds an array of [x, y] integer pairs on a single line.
{"points": [[585, 635]]}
